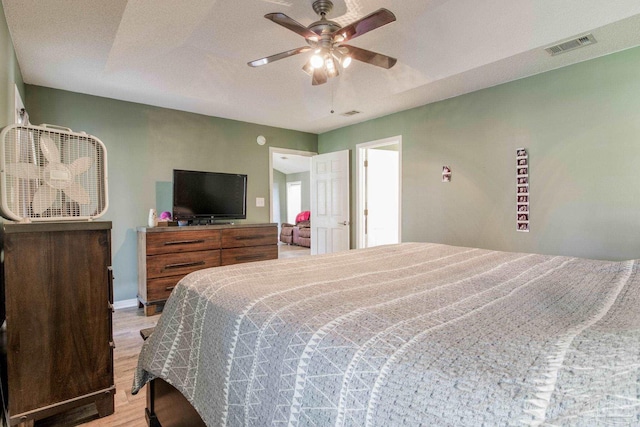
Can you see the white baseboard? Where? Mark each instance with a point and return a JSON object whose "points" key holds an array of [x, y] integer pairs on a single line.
{"points": [[127, 303]]}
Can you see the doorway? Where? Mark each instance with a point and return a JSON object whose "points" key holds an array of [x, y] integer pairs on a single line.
{"points": [[379, 192]]}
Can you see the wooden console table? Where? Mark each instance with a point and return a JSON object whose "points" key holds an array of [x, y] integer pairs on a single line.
{"points": [[167, 254]]}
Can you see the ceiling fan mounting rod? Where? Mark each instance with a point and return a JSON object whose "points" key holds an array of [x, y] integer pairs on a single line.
{"points": [[322, 7]]}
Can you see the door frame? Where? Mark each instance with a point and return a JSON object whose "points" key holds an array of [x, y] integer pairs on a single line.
{"points": [[360, 190], [278, 150]]}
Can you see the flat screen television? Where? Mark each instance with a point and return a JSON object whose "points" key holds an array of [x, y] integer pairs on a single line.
{"points": [[208, 195]]}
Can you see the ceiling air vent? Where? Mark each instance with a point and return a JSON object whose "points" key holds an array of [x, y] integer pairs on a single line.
{"points": [[350, 113], [571, 44]]}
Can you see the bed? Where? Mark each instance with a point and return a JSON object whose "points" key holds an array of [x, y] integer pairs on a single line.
{"points": [[408, 334]]}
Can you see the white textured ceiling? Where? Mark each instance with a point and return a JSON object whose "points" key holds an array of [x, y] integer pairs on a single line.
{"points": [[193, 55]]}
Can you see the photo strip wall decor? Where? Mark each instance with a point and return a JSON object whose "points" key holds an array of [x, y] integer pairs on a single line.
{"points": [[522, 190]]}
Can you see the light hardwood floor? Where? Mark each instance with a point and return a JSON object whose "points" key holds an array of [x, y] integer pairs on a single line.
{"points": [[129, 409]]}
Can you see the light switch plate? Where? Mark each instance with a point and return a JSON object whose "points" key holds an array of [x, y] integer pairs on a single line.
{"points": [[260, 202]]}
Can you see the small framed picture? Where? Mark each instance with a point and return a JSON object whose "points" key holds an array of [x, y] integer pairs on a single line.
{"points": [[521, 152], [522, 162], [523, 226], [523, 217], [523, 190], [523, 208], [523, 180], [446, 174], [523, 199], [523, 171]]}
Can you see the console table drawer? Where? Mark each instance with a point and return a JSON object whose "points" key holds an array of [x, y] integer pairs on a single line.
{"points": [[254, 253], [182, 241], [243, 237], [181, 263], [159, 289]]}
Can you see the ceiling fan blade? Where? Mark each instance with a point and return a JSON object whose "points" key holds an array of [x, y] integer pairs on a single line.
{"points": [[319, 77], [370, 22], [277, 56], [369, 57], [295, 26]]}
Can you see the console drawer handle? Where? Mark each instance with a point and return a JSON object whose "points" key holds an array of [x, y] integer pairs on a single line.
{"points": [[249, 237], [169, 288], [184, 264], [183, 242]]}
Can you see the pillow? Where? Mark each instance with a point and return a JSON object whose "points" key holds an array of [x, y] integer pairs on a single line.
{"points": [[303, 216]]}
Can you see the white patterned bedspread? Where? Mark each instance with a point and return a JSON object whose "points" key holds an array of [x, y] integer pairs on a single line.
{"points": [[410, 334]]}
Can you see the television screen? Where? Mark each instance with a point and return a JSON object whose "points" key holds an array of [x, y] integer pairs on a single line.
{"points": [[210, 195]]}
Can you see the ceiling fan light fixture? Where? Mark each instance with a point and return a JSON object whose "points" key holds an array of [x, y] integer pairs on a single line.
{"points": [[316, 61], [330, 64], [332, 69], [308, 68]]}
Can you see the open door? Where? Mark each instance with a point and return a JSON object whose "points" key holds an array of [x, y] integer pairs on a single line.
{"points": [[330, 224]]}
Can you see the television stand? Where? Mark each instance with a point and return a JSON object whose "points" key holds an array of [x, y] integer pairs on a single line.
{"points": [[167, 254]]}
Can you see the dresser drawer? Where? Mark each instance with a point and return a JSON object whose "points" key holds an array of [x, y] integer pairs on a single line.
{"points": [[182, 241], [159, 289], [181, 263], [254, 253], [255, 236]]}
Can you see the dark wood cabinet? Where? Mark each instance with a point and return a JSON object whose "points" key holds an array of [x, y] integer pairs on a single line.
{"points": [[58, 301], [167, 254]]}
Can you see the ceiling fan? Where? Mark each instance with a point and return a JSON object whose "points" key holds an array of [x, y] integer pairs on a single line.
{"points": [[326, 38]]}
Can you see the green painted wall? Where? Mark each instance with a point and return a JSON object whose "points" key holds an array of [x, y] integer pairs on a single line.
{"points": [[10, 75], [144, 145], [581, 125]]}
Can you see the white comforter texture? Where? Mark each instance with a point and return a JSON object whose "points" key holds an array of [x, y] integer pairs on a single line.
{"points": [[405, 335]]}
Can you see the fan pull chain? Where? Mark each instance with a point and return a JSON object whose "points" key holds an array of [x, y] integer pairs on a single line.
{"points": [[332, 89]]}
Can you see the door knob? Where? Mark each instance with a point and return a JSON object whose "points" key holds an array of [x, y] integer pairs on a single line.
{"points": [[344, 223]]}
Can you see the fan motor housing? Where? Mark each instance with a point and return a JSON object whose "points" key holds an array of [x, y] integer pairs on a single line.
{"points": [[51, 173]]}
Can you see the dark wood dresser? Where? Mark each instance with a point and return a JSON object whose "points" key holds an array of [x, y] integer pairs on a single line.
{"points": [[167, 254], [57, 297]]}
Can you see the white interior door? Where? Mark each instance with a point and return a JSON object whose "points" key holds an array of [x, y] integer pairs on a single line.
{"points": [[330, 225]]}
